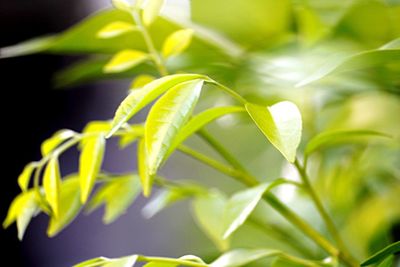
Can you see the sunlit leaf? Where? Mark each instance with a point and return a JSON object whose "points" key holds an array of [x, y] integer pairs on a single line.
{"points": [[97, 127], [177, 42], [281, 124], [128, 261], [25, 176], [151, 11], [207, 213], [240, 257], [50, 144], [117, 195], [180, 262], [115, 28], [145, 178], [51, 185], [167, 116], [22, 209], [90, 163], [134, 132], [125, 60], [141, 80], [138, 99], [92, 262], [70, 205], [383, 254]]}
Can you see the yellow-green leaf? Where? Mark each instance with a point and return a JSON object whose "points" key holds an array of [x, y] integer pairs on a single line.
{"points": [[97, 127], [145, 178], [70, 205], [167, 116], [125, 60], [117, 195], [53, 142], [90, 164], [25, 176], [115, 28], [51, 185], [22, 209], [138, 99], [134, 132], [281, 124], [177, 42], [140, 81], [151, 11], [240, 257]]}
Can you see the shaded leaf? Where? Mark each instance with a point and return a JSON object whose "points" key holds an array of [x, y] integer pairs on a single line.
{"points": [[281, 124], [145, 178], [151, 11], [22, 209], [51, 185], [138, 99], [28, 47], [166, 118], [90, 163], [53, 142], [383, 254], [125, 60], [177, 42], [25, 176], [70, 205], [122, 262], [115, 28], [122, 5], [117, 195]]}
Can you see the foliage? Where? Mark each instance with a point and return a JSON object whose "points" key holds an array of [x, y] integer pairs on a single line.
{"points": [[316, 78]]}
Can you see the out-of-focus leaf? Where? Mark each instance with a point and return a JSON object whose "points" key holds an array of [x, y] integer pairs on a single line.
{"points": [[28, 47], [138, 99], [182, 260], [90, 164], [240, 257], [115, 28], [51, 185], [383, 254], [151, 10], [122, 5], [177, 42], [166, 118], [22, 209], [135, 132], [388, 262], [50, 144], [387, 53], [339, 137], [117, 195], [97, 127], [125, 60], [128, 261], [25, 176], [145, 178], [141, 80], [281, 124], [70, 205], [207, 213]]}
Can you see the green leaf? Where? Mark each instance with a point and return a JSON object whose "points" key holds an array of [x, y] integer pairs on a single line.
{"points": [[25, 176], [90, 163], [122, 5], [387, 53], [281, 124], [145, 179], [177, 42], [182, 260], [115, 28], [138, 99], [199, 121], [207, 213], [339, 137], [70, 205], [125, 60], [151, 11], [53, 142], [128, 261], [51, 185], [134, 132], [140, 81], [117, 195], [92, 262], [28, 47], [240, 257], [388, 262], [22, 209], [97, 127], [241, 205], [383, 254], [167, 116]]}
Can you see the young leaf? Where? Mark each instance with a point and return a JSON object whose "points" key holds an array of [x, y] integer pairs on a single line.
{"points": [[182, 260], [125, 60], [122, 5], [128, 261], [383, 254], [95, 262], [138, 99], [70, 205], [135, 132], [151, 11], [240, 257], [115, 28], [207, 213], [90, 164], [25, 176], [339, 137], [140, 81], [177, 42], [241, 205], [50, 144], [22, 209], [281, 124], [97, 127], [166, 118], [145, 178], [162, 200], [51, 185], [117, 195]]}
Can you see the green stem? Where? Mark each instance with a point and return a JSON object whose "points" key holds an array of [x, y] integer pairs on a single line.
{"points": [[171, 260], [229, 91]]}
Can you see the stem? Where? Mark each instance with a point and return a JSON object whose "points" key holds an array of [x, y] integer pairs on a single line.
{"points": [[229, 91], [323, 212], [157, 59], [171, 260]]}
